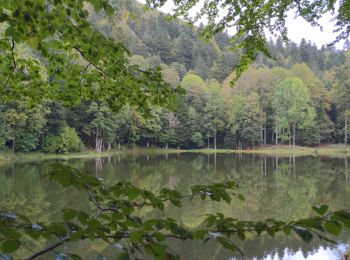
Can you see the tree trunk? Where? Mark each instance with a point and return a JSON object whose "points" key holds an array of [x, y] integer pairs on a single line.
{"points": [[147, 145], [346, 170], [265, 133], [276, 132], [215, 140], [109, 146], [289, 138], [293, 136], [346, 130], [96, 143], [166, 146], [208, 142], [100, 145]]}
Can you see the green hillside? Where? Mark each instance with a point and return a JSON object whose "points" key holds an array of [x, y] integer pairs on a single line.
{"points": [[211, 112]]}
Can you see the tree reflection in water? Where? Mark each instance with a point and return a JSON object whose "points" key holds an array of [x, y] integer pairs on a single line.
{"points": [[282, 188]]}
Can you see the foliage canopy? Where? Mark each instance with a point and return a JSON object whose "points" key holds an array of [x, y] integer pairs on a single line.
{"points": [[66, 64]]}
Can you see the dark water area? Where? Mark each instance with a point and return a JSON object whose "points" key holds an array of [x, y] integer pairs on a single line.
{"points": [[281, 188]]}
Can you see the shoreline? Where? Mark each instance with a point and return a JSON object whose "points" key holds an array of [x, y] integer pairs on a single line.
{"points": [[329, 150], [38, 156]]}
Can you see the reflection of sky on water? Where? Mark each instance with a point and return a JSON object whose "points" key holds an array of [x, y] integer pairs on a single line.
{"points": [[321, 254]]}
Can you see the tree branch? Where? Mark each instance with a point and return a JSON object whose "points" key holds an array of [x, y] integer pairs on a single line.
{"points": [[83, 56], [84, 71], [15, 67], [47, 249]]}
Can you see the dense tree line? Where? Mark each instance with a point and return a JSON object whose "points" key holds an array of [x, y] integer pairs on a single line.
{"points": [[300, 95], [266, 106]]}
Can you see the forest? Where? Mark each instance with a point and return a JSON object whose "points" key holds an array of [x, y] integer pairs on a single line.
{"points": [[101, 74], [298, 96]]}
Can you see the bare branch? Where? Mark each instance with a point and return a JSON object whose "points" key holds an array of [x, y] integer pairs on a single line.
{"points": [[83, 73], [83, 56], [47, 249], [94, 201], [15, 67]]}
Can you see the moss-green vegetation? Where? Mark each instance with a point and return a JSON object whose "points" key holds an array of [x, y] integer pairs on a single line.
{"points": [[281, 150], [36, 156], [330, 150]]}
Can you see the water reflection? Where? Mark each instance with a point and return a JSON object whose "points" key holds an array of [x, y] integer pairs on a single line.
{"points": [[283, 188]]}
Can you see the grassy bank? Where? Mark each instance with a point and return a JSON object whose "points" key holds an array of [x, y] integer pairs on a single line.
{"points": [[285, 150], [6, 157], [282, 150], [36, 156]]}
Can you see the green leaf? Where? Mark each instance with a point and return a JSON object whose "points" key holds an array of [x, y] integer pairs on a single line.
{"points": [[159, 236], [10, 246], [97, 5], [287, 230], [136, 236], [69, 214], [229, 244], [199, 234], [156, 203], [321, 210], [83, 217], [24, 218], [303, 233], [117, 216], [333, 228], [240, 197], [91, 235], [133, 193], [108, 9], [9, 233], [77, 235], [158, 250], [123, 256], [343, 217], [241, 236], [75, 257], [33, 42]]}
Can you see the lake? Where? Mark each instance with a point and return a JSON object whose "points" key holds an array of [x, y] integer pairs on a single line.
{"points": [[281, 188]]}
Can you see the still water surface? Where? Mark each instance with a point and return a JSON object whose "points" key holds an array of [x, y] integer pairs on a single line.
{"points": [[282, 188]]}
